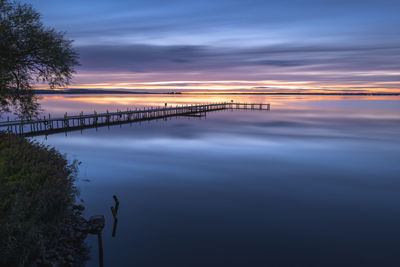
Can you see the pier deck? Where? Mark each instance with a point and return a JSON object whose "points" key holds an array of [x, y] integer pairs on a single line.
{"points": [[49, 125]]}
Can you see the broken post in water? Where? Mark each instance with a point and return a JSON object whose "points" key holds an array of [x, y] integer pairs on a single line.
{"points": [[114, 211]]}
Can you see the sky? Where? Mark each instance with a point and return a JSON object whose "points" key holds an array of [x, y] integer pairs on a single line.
{"points": [[232, 45]]}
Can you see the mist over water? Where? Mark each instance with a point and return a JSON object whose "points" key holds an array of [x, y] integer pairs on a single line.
{"points": [[312, 182]]}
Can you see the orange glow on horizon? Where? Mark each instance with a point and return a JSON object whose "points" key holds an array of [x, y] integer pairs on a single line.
{"points": [[74, 104], [237, 87]]}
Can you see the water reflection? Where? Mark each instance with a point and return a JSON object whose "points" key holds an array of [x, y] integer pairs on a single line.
{"points": [[313, 182], [22, 105]]}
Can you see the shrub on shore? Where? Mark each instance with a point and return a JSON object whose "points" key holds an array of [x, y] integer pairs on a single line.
{"points": [[37, 193]]}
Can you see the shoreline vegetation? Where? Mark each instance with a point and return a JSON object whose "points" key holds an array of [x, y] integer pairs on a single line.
{"points": [[40, 223], [121, 92]]}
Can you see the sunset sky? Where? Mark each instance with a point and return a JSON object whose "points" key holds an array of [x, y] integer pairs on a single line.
{"points": [[232, 45]]}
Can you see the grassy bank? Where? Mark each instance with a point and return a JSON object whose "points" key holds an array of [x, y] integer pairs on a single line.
{"points": [[37, 193]]}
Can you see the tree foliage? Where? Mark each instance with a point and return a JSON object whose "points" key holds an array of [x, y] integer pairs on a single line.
{"points": [[36, 192], [31, 52]]}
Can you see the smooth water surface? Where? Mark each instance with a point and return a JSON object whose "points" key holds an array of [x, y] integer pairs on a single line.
{"points": [[313, 182]]}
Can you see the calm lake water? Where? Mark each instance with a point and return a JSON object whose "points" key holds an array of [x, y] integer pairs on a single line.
{"points": [[313, 182]]}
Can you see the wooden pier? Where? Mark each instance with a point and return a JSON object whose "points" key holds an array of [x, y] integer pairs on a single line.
{"points": [[49, 125]]}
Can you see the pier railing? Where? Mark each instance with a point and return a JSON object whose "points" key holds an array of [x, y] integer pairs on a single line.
{"points": [[49, 125]]}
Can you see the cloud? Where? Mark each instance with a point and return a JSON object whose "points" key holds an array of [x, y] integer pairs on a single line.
{"points": [[152, 21], [172, 58], [281, 63], [331, 42]]}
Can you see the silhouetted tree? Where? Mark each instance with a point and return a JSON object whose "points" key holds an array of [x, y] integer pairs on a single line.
{"points": [[30, 53]]}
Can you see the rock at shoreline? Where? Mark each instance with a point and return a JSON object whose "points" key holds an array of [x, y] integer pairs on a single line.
{"points": [[95, 224], [69, 248]]}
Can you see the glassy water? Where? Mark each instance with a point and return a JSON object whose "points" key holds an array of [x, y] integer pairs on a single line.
{"points": [[313, 182]]}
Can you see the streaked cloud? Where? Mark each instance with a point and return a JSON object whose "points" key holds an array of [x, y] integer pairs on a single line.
{"points": [[333, 44]]}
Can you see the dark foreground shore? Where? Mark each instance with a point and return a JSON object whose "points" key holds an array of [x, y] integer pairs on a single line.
{"points": [[40, 225]]}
